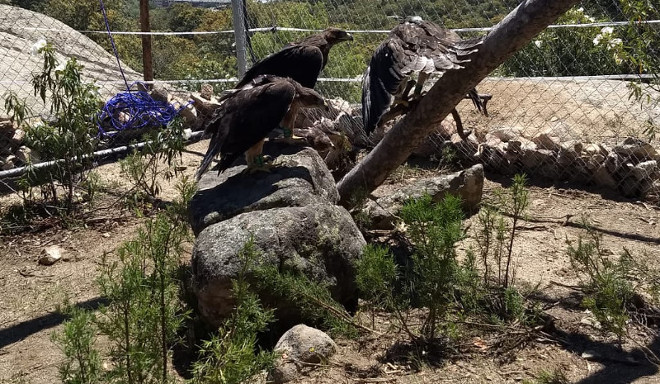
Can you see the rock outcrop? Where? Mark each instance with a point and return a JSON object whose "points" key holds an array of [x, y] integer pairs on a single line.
{"points": [[292, 217], [467, 184]]}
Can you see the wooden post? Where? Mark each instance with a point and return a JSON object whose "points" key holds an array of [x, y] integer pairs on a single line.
{"points": [[147, 62]]}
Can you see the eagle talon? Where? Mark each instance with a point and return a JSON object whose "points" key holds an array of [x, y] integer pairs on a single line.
{"points": [[260, 163]]}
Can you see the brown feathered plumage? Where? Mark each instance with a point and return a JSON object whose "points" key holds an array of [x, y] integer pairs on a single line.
{"points": [[301, 61], [247, 116]]}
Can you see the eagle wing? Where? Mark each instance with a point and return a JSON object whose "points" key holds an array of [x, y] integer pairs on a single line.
{"points": [[410, 47], [244, 119], [302, 63]]}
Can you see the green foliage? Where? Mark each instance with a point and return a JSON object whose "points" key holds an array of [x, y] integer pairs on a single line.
{"points": [[229, 356], [144, 311], [82, 362], [571, 51], [434, 230], [313, 299], [69, 135], [157, 159], [608, 285], [17, 108]]}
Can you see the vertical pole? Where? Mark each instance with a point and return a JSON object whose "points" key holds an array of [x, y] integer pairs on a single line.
{"points": [[239, 34], [147, 63]]}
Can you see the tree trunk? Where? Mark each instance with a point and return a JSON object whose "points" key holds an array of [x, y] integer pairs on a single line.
{"points": [[516, 30]]}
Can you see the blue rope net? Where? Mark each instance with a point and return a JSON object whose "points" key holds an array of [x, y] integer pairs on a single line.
{"points": [[132, 110]]}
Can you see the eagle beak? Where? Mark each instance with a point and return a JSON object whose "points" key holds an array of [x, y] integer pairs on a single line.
{"points": [[326, 106], [348, 37]]}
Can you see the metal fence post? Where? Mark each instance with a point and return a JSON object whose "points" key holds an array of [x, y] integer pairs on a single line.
{"points": [[239, 34]]}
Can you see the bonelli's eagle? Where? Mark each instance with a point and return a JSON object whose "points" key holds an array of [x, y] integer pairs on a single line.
{"points": [[302, 61], [241, 124], [413, 46]]}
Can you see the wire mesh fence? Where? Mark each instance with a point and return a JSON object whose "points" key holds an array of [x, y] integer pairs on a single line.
{"points": [[561, 107]]}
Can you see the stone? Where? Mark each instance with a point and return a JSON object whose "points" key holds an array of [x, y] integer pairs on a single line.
{"points": [[548, 142], [159, 93], [187, 111], [205, 108], [7, 128], [300, 347], [206, 91], [319, 240], [569, 152], [603, 178], [505, 133], [9, 163], [533, 159], [299, 178], [18, 137], [50, 255], [467, 184], [25, 155], [645, 170], [637, 148], [292, 218]]}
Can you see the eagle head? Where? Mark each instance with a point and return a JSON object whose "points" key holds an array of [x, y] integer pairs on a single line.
{"points": [[336, 35]]}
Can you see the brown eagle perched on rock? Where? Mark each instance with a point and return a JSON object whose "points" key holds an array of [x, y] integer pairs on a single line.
{"points": [[241, 124], [302, 61], [414, 46]]}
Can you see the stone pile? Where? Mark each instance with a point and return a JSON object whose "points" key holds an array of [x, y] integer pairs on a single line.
{"points": [[12, 151]]}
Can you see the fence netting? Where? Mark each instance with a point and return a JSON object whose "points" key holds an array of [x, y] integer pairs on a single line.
{"points": [[580, 101]]}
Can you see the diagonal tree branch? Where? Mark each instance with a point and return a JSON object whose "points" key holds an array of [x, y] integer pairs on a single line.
{"points": [[510, 35]]}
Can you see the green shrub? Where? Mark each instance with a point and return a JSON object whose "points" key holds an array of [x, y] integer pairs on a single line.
{"points": [[82, 362]]}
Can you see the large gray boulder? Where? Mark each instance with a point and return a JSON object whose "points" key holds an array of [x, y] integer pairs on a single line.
{"points": [[291, 216], [299, 178], [468, 184]]}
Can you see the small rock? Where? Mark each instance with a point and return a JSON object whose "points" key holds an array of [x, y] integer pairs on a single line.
{"points": [[7, 128], [206, 91], [18, 137], [592, 149], [603, 177], [637, 148], [50, 255], [645, 170], [569, 152], [299, 345], [9, 163], [533, 159], [160, 94], [506, 133], [24, 154], [613, 162], [545, 141]]}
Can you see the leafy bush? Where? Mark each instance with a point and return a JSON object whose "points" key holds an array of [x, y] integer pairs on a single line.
{"points": [[82, 362], [570, 51], [608, 287], [69, 135], [157, 159]]}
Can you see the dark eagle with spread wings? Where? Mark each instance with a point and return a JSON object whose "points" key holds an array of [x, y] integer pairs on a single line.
{"points": [[241, 124], [414, 46], [302, 61]]}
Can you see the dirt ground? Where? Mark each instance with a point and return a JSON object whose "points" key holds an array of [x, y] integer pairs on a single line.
{"points": [[31, 294]]}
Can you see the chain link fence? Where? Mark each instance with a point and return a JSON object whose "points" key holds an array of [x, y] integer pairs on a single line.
{"points": [[580, 102]]}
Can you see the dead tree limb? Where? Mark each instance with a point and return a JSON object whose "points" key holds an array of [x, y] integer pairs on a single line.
{"points": [[516, 30]]}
